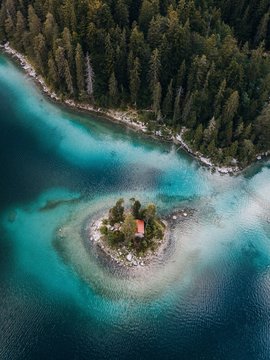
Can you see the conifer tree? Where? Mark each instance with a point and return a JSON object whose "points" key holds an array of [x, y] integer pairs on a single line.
{"points": [[67, 44], [9, 27], [20, 29], [109, 55], [168, 100], [154, 69], [50, 29], [68, 78], [178, 106], [121, 13], [230, 107], [113, 90], [129, 228], [34, 22], [89, 77], [52, 71], [79, 60], [40, 52], [187, 108], [219, 98], [198, 135], [262, 126], [157, 93], [134, 80], [60, 62]]}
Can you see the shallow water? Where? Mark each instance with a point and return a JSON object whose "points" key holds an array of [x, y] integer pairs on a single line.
{"points": [[210, 300]]}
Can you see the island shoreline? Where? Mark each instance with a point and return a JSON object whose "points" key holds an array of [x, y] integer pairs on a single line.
{"points": [[126, 118], [94, 237]]}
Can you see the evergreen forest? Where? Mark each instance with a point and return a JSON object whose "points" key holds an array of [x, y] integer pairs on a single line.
{"points": [[201, 65]]}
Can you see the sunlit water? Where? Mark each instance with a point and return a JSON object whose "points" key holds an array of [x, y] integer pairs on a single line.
{"points": [[209, 300]]}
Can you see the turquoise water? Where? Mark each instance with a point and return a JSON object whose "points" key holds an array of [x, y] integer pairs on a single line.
{"points": [[209, 300]]}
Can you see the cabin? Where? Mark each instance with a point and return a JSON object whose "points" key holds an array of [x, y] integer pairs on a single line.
{"points": [[140, 228]]}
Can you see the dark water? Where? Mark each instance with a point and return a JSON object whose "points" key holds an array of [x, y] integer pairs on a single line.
{"points": [[210, 301]]}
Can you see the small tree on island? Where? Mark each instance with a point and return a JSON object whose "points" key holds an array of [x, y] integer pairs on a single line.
{"points": [[136, 209], [129, 228], [117, 212], [149, 213]]}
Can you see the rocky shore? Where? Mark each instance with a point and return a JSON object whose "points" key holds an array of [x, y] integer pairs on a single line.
{"points": [[129, 118]]}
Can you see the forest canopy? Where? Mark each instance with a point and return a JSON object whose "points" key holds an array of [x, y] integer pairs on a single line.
{"points": [[202, 65]]}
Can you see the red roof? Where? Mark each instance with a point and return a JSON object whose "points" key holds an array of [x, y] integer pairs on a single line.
{"points": [[140, 226]]}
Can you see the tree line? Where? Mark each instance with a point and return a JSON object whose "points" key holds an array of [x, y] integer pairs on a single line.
{"points": [[203, 65]]}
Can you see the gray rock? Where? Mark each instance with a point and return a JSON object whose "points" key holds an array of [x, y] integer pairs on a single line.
{"points": [[129, 257]]}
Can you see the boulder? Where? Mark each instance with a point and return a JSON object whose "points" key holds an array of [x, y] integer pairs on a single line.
{"points": [[129, 257]]}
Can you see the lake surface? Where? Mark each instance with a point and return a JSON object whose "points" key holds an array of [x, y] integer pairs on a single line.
{"points": [[209, 300]]}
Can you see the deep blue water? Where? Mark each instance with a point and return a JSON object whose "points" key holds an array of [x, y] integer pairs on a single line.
{"points": [[210, 300]]}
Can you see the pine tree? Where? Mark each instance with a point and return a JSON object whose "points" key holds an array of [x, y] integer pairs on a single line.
{"points": [[219, 98], [50, 29], [68, 79], [263, 28], [168, 100], [52, 71], [136, 209], [148, 10], [109, 55], [9, 27], [210, 133], [113, 90], [134, 81], [79, 60], [262, 127], [157, 93], [89, 77], [60, 62], [187, 108], [181, 75], [154, 69], [128, 228], [198, 135], [67, 43], [40, 52], [68, 10], [230, 107], [117, 212], [3, 12], [34, 22], [178, 106], [10, 8], [20, 29], [121, 13]]}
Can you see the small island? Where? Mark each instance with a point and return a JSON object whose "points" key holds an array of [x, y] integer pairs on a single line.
{"points": [[130, 235]]}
